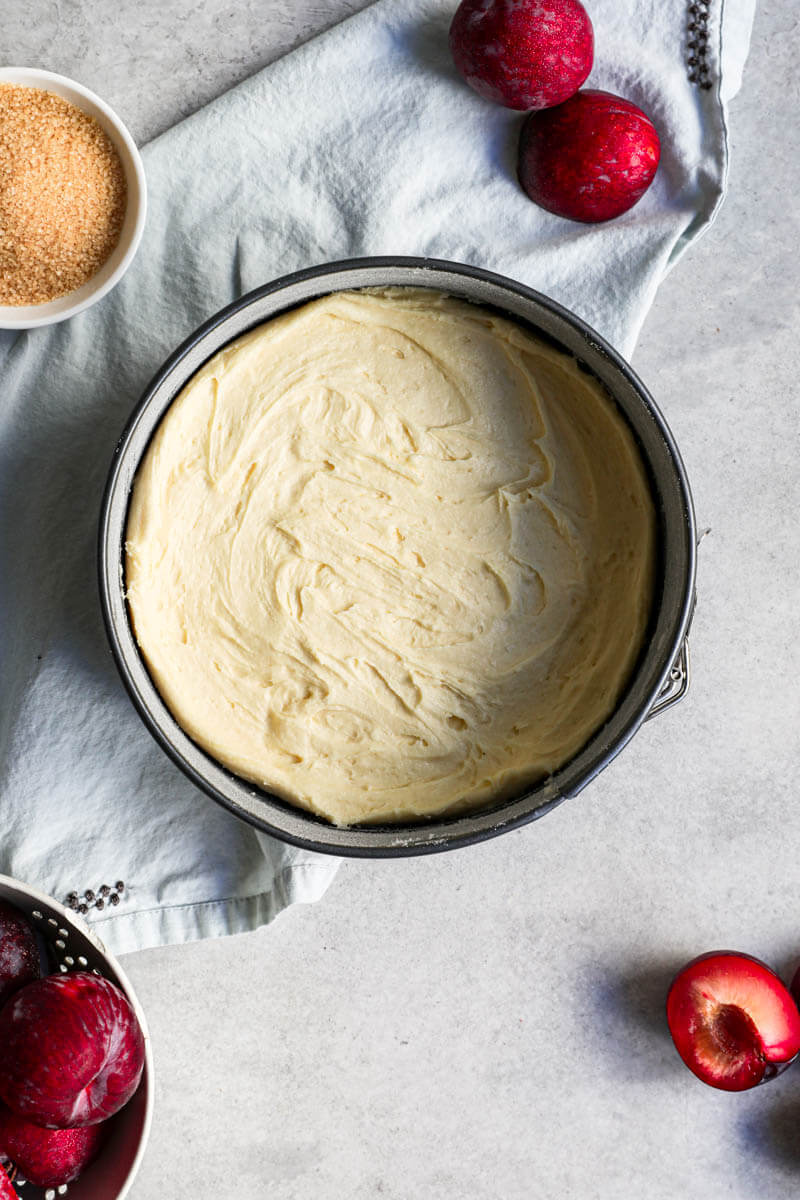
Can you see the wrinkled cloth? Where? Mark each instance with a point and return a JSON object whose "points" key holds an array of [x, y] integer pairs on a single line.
{"points": [[364, 141]]}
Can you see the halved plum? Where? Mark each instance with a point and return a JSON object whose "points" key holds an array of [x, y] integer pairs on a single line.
{"points": [[733, 1021]]}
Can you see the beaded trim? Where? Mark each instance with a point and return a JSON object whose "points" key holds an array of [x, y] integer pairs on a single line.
{"points": [[91, 899], [697, 44]]}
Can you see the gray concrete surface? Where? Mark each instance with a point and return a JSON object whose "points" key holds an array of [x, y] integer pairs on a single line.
{"points": [[488, 1025]]}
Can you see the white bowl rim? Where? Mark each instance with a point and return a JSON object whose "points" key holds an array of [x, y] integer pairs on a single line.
{"points": [[149, 1082], [30, 77]]}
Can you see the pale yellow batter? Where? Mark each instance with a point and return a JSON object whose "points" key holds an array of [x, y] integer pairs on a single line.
{"points": [[390, 555]]}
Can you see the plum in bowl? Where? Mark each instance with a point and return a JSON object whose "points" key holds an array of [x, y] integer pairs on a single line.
{"points": [[73, 955]]}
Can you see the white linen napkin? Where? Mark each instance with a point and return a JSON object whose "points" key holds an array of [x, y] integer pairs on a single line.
{"points": [[364, 141]]}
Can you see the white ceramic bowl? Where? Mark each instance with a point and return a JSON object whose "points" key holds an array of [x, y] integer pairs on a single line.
{"points": [[73, 946], [28, 316]]}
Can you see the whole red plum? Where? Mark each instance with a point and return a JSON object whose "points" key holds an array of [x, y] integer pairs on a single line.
{"points": [[47, 1157], [19, 954], [73, 1050], [590, 159], [523, 53]]}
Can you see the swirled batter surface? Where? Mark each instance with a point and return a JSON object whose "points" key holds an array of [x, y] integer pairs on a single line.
{"points": [[390, 555]]}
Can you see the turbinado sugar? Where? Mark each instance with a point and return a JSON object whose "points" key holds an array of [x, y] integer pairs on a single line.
{"points": [[62, 196]]}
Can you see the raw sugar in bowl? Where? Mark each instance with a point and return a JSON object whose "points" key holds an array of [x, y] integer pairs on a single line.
{"points": [[525, 323], [72, 947], [73, 198]]}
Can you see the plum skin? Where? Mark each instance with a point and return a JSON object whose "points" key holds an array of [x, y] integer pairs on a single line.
{"points": [[48, 1157], [590, 159], [19, 953], [523, 54], [7, 1192], [73, 1050]]}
